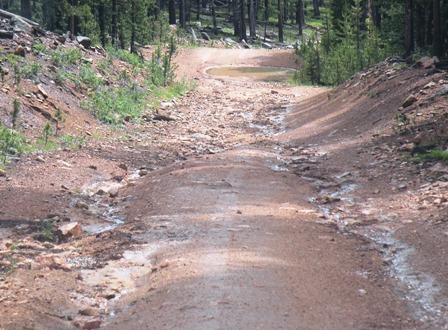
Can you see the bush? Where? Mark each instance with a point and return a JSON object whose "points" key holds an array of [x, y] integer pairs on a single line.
{"points": [[11, 143]]}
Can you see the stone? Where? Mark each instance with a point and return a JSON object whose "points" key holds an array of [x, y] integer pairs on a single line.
{"points": [[84, 41], [430, 85], [426, 62], [407, 147], [123, 166], [437, 201], [40, 90], [40, 159], [230, 41], [92, 325], [439, 168], [265, 45], [72, 229], [88, 311], [402, 186], [61, 39], [113, 193], [245, 44], [143, 172], [205, 36], [3, 173], [82, 205], [442, 90], [162, 118], [19, 51], [411, 99], [362, 292]]}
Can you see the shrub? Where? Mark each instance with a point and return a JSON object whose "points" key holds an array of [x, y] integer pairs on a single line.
{"points": [[11, 142]]}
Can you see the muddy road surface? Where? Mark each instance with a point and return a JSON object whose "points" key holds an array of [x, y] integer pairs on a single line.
{"points": [[237, 243], [228, 217]]}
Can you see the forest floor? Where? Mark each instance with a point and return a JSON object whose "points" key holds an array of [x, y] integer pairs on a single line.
{"points": [[263, 205]]}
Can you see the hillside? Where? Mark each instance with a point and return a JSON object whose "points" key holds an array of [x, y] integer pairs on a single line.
{"points": [[251, 203]]}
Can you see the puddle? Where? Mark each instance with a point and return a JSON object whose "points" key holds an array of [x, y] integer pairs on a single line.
{"points": [[262, 73], [419, 288], [121, 275]]}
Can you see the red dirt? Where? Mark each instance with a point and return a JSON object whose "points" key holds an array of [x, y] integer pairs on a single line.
{"points": [[238, 220]]}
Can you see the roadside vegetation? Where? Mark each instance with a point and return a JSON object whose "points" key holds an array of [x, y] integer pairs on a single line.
{"points": [[113, 95]]}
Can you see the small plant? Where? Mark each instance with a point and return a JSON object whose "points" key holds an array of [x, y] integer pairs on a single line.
{"points": [[47, 131], [71, 56], [404, 123], [125, 56], [17, 72], [59, 119], [438, 154], [11, 142], [31, 70], [15, 113], [3, 74], [61, 76], [88, 77], [38, 47], [47, 231], [72, 141]]}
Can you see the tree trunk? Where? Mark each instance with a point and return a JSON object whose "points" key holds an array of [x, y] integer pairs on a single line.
{"points": [[25, 8], [236, 19], [252, 22], [316, 8], [266, 16], [429, 28], [420, 22], [409, 45], [280, 21], [300, 16], [373, 14], [215, 24], [182, 18], [243, 20], [172, 12], [121, 36], [437, 34], [114, 28]]}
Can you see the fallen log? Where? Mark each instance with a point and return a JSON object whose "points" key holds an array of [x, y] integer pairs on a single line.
{"points": [[20, 22], [6, 34], [7, 14]]}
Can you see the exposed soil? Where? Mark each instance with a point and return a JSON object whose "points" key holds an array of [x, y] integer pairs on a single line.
{"points": [[263, 205]]}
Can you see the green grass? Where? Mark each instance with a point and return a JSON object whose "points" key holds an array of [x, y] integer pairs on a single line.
{"points": [[71, 141], [437, 155], [31, 70], [70, 56]]}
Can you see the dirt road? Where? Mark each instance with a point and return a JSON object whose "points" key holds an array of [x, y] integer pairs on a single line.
{"points": [[236, 237], [254, 209]]}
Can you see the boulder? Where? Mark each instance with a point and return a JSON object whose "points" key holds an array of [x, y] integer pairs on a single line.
{"points": [[19, 51], [72, 229], [442, 90], [409, 101], [427, 62], [84, 41], [205, 36], [266, 45]]}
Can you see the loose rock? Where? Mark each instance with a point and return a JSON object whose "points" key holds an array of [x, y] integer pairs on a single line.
{"points": [[70, 230]]}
